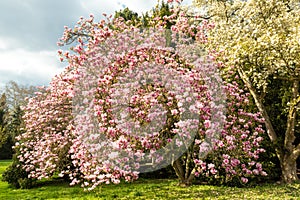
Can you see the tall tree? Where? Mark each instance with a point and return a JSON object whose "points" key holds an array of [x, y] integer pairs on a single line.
{"points": [[128, 15], [15, 125], [160, 13], [260, 38], [16, 94], [3, 122]]}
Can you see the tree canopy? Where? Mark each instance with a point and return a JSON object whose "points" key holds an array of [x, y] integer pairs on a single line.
{"points": [[260, 40]]}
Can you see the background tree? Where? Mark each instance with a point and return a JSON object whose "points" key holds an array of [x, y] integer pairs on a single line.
{"points": [[3, 120], [17, 94], [15, 97], [162, 12], [15, 127], [159, 14], [128, 15], [261, 40]]}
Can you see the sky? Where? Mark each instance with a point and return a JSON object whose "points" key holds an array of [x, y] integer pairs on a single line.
{"points": [[30, 29]]}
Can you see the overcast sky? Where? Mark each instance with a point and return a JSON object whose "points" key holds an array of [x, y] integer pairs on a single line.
{"points": [[30, 29]]}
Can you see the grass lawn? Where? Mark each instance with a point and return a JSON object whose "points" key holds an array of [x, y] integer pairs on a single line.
{"points": [[147, 189]]}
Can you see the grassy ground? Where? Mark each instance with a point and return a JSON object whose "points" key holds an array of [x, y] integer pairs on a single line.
{"points": [[147, 189]]}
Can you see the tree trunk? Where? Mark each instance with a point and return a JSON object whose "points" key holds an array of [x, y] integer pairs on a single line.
{"points": [[287, 153], [185, 177], [178, 170], [289, 169], [291, 153]]}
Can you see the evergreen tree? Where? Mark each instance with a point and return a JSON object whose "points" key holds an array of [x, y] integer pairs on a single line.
{"points": [[3, 122]]}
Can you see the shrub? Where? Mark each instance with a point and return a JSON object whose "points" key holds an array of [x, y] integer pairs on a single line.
{"points": [[17, 177]]}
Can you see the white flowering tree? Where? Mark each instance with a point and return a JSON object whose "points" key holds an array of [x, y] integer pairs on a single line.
{"points": [[260, 38]]}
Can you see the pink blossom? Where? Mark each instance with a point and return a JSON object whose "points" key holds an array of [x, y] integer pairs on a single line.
{"points": [[210, 166], [244, 180]]}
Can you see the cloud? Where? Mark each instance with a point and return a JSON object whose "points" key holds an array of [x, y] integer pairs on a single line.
{"points": [[98, 7], [24, 67], [30, 30], [36, 24], [139, 6]]}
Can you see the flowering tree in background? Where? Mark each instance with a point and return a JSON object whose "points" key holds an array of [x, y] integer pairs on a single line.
{"points": [[135, 100], [261, 39]]}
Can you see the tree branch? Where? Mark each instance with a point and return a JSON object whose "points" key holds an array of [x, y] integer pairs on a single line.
{"points": [[258, 101], [75, 35], [201, 17], [291, 120], [296, 151], [287, 78], [191, 176], [297, 102]]}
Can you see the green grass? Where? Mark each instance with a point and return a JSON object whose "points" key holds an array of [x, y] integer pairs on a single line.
{"points": [[147, 189]]}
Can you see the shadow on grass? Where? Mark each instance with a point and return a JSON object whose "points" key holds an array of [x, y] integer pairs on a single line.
{"points": [[57, 188], [150, 189]]}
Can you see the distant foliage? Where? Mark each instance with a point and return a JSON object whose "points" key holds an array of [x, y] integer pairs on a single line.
{"points": [[11, 124], [3, 120]]}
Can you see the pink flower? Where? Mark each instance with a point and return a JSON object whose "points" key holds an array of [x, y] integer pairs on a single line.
{"points": [[255, 171], [213, 171], [174, 112], [244, 180], [235, 162], [263, 173], [198, 162], [207, 124], [210, 166], [259, 166], [226, 161]]}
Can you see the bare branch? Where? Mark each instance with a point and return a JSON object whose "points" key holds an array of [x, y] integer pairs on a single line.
{"points": [[287, 78], [201, 17]]}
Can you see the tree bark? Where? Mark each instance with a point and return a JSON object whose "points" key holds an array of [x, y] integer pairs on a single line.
{"points": [[289, 169], [185, 177], [289, 159], [178, 170], [287, 153], [259, 104], [291, 120]]}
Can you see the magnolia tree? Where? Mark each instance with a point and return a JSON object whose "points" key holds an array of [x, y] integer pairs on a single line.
{"points": [[261, 39], [133, 101]]}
